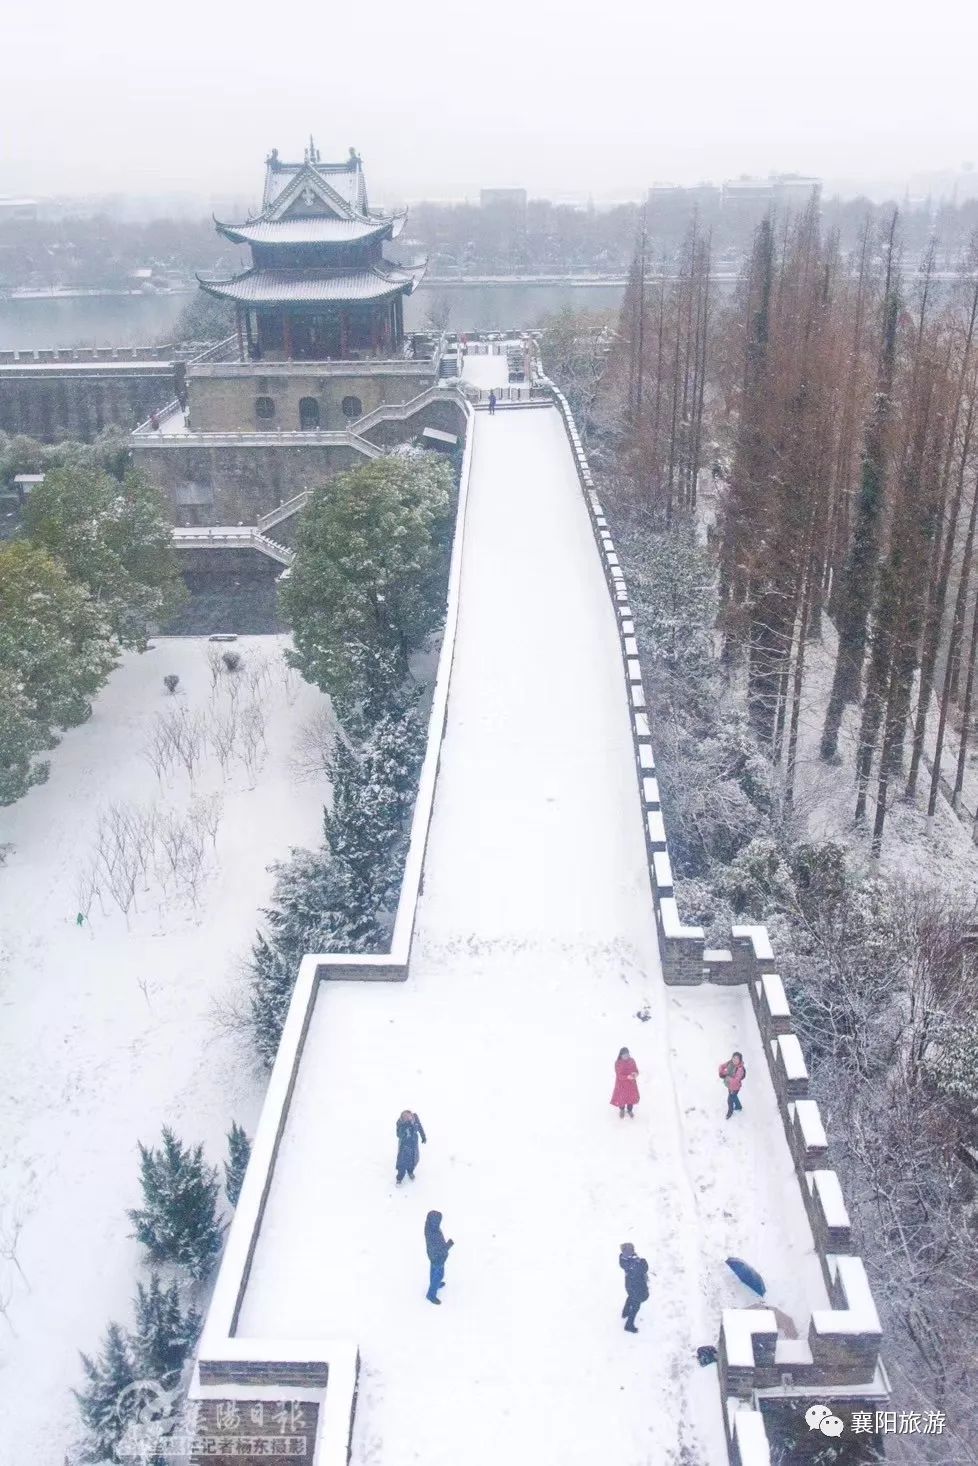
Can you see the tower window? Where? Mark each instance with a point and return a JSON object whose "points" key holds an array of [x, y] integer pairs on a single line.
{"points": [[264, 407], [308, 414], [352, 407]]}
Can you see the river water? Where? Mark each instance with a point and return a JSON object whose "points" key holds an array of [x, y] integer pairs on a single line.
{"points": [[141, 320]]}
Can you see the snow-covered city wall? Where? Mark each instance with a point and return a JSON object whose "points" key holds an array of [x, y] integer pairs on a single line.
{"points": [[840, 1358], [321, 1374]]}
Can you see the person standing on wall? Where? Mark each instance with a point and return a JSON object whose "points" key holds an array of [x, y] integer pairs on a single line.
{"points": [[733, 1074], [625, 1093], [409, 1130], [636, 1271], [437, 1249]]}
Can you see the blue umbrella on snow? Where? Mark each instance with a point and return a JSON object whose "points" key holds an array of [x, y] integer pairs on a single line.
{"points": [[747, 1275]]}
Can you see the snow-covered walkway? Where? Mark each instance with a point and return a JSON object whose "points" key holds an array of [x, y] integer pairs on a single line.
{"points": [[535, 950]]}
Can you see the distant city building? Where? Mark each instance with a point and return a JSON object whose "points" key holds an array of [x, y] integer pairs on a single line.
{"points": [[781, 190], [511, 199], [17, 209], [676, 195]]}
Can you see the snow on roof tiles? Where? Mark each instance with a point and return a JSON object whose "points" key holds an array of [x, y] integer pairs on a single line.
{"points": [[319, 229], [275, 287]]}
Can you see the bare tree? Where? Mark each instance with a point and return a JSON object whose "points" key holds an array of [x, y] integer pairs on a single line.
{"points": [[222, 733], [313, 746]]}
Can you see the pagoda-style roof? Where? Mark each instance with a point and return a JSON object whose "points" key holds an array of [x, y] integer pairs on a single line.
{"points": [[312, 203], [318, 229], [283, 287]]}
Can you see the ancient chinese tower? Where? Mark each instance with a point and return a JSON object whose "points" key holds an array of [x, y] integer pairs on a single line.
{"points": [[319, 287]]}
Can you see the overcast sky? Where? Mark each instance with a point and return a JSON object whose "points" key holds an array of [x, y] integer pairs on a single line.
{"points": [[442, 99]]}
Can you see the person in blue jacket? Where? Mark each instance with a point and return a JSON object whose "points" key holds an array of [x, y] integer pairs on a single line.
{"points": [[636, 1271], [437, 1249], [409, 1130]]}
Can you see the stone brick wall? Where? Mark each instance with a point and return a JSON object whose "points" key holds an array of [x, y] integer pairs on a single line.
{"points": [[51, 402], [226, 403], [235, 483]]}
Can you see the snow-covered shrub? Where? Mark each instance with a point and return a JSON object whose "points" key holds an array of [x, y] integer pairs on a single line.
{"points": [[952, 1064], [101, 1399], [340, 898], [239, 1151], [171, 682], [164, 1334], [178, 1219], [155, 1352], [232, 661], [757, 881]]}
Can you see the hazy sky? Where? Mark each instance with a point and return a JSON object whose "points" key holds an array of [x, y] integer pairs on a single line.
{"points": [[442, 99]]}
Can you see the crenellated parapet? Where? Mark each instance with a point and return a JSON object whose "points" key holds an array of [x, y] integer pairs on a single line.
{"points": [[839, 1360]]}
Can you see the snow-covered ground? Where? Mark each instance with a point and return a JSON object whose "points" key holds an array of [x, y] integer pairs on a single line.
{"points": [[486, 371], [942, 853], [534, 953], [108, 1029]]}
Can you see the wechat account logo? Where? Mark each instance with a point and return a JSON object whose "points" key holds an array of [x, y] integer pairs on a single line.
{"points": [[820, 1417]]}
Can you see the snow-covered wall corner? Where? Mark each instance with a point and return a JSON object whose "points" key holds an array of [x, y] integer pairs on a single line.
{"points": [[843, 1345], [329, 1368]]}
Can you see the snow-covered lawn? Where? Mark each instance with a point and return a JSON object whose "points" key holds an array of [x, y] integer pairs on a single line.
{"points": [[535, 951], [108, 1029]]}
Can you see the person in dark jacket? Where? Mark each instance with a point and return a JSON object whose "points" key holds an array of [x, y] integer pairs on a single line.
{"points": [[636, 1271], [437, 1249], [733, 1075], [408, 1129], [492, 403]]}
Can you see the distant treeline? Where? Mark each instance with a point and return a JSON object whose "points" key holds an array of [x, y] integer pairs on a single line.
{"points": [[101, 251]]}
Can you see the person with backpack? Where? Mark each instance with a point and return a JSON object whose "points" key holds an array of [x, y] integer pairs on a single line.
{"points": [[409, 1130], [437, 1249], [636, 1271], [733, 1074]]}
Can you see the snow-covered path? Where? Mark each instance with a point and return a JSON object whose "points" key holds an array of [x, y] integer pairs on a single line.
{"points": [[535, 950]]}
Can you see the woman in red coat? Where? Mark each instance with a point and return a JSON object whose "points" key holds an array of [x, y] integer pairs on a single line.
{"points": [[626, 1089]]}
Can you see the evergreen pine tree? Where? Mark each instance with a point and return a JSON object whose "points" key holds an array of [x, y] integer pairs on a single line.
{"points": [[164, 1334], [239, 1150], [178, 1221], [98, 1401], [273, 973]]}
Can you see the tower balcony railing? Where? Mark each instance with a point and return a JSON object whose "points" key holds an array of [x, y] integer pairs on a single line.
{"points": [[422, 350]]}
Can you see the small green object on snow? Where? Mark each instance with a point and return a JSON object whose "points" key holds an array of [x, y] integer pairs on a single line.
{"points": [[80, 919]]}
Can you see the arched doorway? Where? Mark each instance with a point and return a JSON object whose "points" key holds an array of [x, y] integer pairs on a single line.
{"points": [[308, 414]]}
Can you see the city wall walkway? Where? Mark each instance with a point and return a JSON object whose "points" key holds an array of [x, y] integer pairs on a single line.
{"points": [[535, 949]]}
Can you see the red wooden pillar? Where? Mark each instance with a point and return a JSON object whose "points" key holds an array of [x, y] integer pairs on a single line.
{"points": [[237, 322], [287, 334]]}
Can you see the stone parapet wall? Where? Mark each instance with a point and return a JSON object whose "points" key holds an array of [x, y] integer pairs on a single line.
{"points": [[61, 400], [840, 1357], [89, 353]]}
